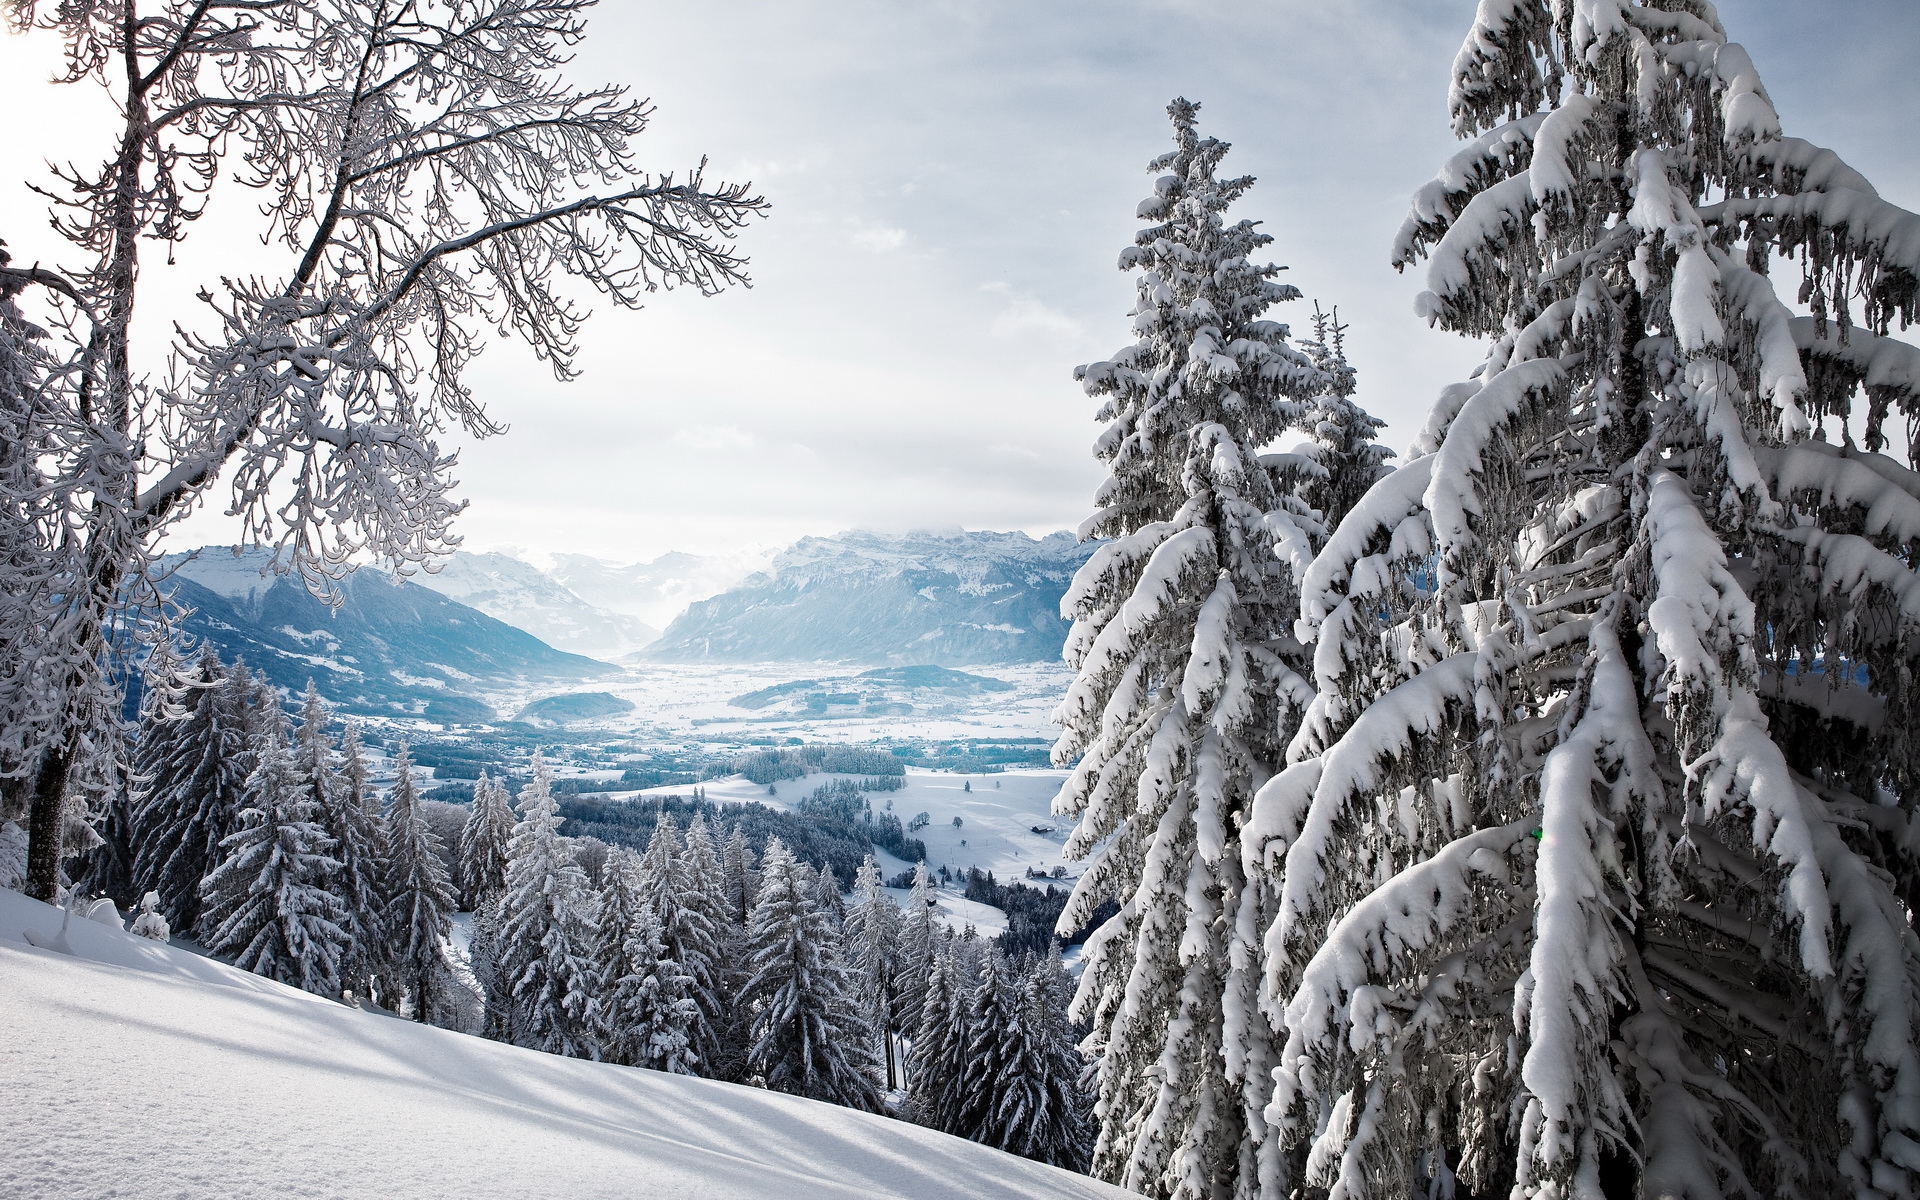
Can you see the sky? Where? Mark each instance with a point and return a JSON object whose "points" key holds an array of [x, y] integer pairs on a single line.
{"points": [[951, 183]]}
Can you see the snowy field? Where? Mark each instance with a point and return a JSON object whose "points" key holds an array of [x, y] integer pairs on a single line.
{"points": [[681, 702], [138, 1070]]}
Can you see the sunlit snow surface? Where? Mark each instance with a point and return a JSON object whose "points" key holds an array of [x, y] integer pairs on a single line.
{"points": [[138, 1070], [693, 702]]}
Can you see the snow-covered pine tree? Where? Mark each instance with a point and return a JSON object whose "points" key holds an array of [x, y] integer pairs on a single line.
{"points": [[708, 945], [355, 883], [1041, 1111], [483, 843], [929, 1091], [1591, 879], [809, 1036], [620, 901], [1182, 638], [546, 933], [919, 945], [419, 895], [1345, 451], [872, 939], [742, 875], [645, 1015], [990, 1015], [359, 833], [268, 905], [955, 1109], [189, 790], [686, 901]]}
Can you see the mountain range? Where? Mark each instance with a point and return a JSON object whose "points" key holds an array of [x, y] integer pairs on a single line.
{"points": [[392, 647], [446, 646], [944, 598], [528, 598]]}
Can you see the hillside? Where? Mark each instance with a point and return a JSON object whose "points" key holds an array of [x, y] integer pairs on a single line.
{"points": [[391, 649], [135, 1069], [948, 599]]}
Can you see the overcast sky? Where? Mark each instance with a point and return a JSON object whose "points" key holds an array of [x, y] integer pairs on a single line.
{"points": [[951, 184]]}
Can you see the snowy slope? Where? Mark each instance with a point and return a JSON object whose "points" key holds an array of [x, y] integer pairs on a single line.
{"points": [[138, 1070], [948, 598], [525, 597]]}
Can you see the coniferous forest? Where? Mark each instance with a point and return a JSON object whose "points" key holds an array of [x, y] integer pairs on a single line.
{"points": [[1527, 808]]}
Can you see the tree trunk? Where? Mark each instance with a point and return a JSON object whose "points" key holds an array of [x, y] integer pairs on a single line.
{"points": [[44, 825]]}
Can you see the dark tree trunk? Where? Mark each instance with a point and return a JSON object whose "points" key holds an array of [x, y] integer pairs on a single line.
{"points": [[44, 825]]}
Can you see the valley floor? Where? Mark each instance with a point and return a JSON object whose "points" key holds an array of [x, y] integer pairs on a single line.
{"points": [[139, 1070]]}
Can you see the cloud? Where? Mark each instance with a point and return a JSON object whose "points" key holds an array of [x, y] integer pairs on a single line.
{"points": [[875, 238], [715, 437], [1022, 314]]}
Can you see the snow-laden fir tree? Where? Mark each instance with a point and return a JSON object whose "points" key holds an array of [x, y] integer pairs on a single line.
{"points": [[919, 944], [872, 939], [268, 905], [989, 1031], [1182, 639], [338, 798], [189, 787], [929, 1090], [680, 881], [419, 896], [483, 843], [546, 932], [1592, 854], [645, 1015], [1040, 1111], [1346, 455], [809, 1035]]}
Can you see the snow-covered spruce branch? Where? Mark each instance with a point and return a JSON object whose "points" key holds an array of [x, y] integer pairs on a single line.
{"points": [[1644, 597]]}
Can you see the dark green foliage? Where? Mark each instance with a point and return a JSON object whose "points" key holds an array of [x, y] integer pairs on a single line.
{"points": [[815, 840], [771, 765]]}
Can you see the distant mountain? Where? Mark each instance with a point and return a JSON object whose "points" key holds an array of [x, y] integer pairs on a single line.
{"points": [[656, 591], [527, 598], [948, 599], [393, 648]]}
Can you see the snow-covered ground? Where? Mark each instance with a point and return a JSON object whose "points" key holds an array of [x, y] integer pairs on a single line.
{"points": [[678, 702], [138, 1070]]}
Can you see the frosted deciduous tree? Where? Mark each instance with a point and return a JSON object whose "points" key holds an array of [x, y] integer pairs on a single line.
{"points": [[483, 843], [546, 932], [1591, 871], [419, 895], [422, 175], [809, 1037], [1181, 636], [268, 904]]}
